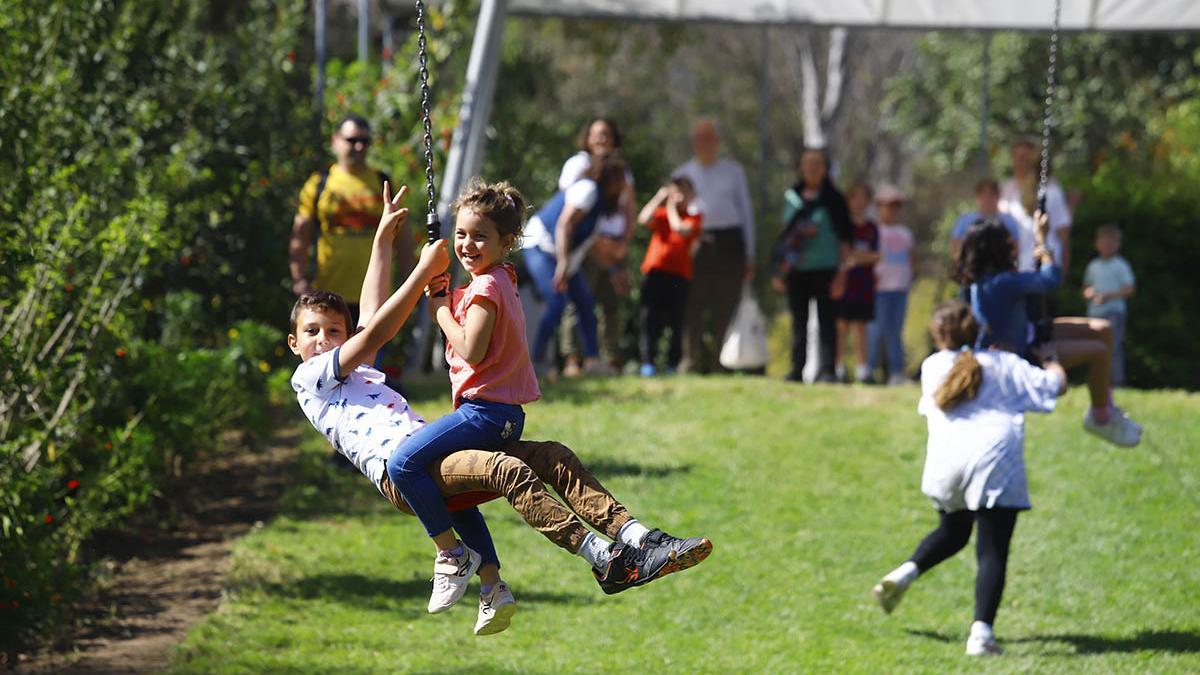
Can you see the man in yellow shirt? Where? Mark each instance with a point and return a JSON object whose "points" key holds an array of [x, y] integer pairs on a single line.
{"points": [[340, 208]]}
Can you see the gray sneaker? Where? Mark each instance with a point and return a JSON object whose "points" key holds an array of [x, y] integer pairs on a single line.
{"points": [[450, 577], [1119, 430], [496, 610]]}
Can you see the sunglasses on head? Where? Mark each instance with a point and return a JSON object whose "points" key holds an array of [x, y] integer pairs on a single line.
{"points": [[355, 140]]}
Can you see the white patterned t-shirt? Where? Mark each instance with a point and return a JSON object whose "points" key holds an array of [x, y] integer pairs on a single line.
{"points": [[362, 417]]}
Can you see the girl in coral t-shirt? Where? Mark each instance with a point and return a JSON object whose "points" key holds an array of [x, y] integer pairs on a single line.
{"points": [[491, 377]]}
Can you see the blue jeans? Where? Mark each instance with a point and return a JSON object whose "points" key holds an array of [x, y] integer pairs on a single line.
{"points": [[541, 268], [888, 326], [475, 425]]}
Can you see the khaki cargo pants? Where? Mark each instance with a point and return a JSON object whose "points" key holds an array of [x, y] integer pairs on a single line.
{"points": [[521, 473]]}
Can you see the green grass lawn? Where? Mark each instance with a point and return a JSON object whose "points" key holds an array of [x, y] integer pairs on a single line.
{"points": [[809, 494]]}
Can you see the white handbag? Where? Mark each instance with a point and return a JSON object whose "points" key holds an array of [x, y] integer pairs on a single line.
{"points": [[745, 345]]}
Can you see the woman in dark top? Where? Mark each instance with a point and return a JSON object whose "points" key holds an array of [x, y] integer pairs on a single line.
{"points": [[815, 240]]}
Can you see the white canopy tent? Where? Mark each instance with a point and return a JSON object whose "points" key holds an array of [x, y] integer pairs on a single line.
{"points": [[1088, 15]]}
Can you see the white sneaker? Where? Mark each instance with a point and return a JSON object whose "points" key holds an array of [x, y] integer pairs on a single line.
{"points": [[450, 577], [839, 372], [889, 592], [1120, 430], [496, 610], [862, 373], [983, 645], [897, 380]]}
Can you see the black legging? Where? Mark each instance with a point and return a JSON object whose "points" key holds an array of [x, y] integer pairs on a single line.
{"points": [[802, 286], [991, 551]]}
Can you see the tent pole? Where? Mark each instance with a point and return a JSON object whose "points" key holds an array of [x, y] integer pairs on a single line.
{"points": [[985, 104], [364, 25], [764, 103]]}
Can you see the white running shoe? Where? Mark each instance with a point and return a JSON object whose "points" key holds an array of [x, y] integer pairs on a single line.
{"points": [[889, 592], [862, 373], [1119, 430], [450, 577], [983, 645], [897, 380], [496, 610]]}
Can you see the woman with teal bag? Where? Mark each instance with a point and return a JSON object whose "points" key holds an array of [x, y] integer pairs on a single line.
{"points": [[815, 239]]}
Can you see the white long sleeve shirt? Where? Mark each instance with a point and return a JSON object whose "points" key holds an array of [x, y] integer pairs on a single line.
{"points": [[723, 196]]}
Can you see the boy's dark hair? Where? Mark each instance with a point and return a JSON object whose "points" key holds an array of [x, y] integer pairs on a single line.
{"points": [[861, 185], [683, 183], [356, 119], [321, 301], [607, 172], [1109, 230], [989, 184], [987, 249], [953, 326], [582, 139], [500, 203]]}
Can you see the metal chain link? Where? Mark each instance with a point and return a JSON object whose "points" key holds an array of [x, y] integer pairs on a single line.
{"points": [[433, 224], [1048, 117]]}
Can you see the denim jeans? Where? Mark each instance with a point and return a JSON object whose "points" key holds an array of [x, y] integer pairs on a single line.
{"points": [[478, 425], [541, 267], [888, 327]]}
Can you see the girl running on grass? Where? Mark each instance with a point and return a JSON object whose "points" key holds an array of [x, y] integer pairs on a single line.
{"points": [[998, 293], [974, 403]]}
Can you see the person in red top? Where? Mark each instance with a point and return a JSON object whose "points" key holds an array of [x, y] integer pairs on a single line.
{"points": [[667, 270]]}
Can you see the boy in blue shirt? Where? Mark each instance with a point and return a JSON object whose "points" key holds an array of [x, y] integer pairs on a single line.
{"points": [[1107, 281]]}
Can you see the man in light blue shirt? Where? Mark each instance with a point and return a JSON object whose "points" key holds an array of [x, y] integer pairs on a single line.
{"points": [[987, 207]]}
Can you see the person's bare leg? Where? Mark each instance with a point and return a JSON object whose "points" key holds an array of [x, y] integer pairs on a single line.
{"points": [[1083, 341], [843, 334], [489, 574], [860, 344]]}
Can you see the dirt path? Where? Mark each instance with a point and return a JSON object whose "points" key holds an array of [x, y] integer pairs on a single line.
{"points": [[163, 582]]}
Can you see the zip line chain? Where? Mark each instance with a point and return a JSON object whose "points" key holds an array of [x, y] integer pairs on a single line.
{"points": [[433, 225], [1048, 117]]}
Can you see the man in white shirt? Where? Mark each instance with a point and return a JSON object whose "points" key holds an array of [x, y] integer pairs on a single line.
{"points": [[724, 258], [1018, 198]]}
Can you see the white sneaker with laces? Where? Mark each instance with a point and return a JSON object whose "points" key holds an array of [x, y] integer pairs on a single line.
{"points": [[450, 577], [983, 645], [1119, 430], [888, 592], [496, 610]]}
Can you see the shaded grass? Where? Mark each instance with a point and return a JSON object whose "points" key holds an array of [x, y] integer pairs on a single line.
{"points": [[809, 494]]}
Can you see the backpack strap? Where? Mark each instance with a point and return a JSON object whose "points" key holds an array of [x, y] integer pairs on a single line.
{"points": [[324, 174], [977, 310]]}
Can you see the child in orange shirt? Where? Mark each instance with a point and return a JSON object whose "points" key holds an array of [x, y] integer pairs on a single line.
{"points": [[667, 270]]}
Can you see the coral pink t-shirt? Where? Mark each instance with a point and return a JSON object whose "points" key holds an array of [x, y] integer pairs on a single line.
{"points": [[505, 375]]}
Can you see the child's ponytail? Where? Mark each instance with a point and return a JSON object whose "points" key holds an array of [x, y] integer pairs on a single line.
{"points": [[953, 326]]}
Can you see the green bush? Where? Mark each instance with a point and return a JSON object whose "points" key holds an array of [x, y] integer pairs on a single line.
{"points": [[147, 147]]}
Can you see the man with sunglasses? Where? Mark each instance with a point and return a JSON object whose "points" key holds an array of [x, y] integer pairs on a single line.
{"points": [[339, 208]]}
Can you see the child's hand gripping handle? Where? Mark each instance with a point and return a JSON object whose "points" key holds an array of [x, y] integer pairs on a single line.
{"points": [[433, 228]]}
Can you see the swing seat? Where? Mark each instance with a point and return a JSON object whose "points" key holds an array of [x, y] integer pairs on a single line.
{"points": [[466, 500]]}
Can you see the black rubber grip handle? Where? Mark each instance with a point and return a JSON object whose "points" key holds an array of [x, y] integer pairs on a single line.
{"points": [[433, 228]]}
